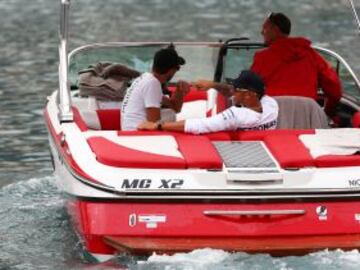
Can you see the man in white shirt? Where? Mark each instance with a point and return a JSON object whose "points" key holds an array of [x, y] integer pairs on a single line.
{"points": [[252, 110], [144, 97]]}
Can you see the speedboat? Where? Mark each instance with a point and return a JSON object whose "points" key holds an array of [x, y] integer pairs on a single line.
{"points": [[155, 191]]}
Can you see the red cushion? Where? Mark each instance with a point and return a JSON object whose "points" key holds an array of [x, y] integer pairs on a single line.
{"points": [[193, 94], [113, 154], [356, 120], [289, 151], [78, 119], [149, 133], [213, 136], [221, 103], [220, 136], [337, 161], [109, 119], [259, 135], [199, 152]]}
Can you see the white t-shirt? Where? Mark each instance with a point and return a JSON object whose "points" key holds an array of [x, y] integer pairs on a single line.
{"points": [[237, 118], [144, 92]]}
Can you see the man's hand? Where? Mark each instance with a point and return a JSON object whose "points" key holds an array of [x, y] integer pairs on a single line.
{"points": [[204, 85], [146, 125], [183, 87]]}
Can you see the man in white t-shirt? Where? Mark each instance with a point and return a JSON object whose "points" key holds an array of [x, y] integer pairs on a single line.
{"points": [[144, 97], [252, 110]]}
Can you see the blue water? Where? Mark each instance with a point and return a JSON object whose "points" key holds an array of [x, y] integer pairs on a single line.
{"points": [[35, 231]]}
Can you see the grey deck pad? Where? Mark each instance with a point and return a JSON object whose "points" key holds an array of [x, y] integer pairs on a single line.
{"points": [[244, 155]]}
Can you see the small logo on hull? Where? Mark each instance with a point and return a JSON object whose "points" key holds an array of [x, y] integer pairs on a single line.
{"points": [[322, 212], [132, 220], [151, 221], [357, 217]]}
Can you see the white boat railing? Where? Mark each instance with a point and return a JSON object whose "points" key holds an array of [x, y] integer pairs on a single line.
{"points": [[65, 113]]}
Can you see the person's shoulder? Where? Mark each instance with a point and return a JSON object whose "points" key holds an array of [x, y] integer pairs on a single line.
{"points": [[268, 100], [265, 54], [148, 78], [262, 52]]}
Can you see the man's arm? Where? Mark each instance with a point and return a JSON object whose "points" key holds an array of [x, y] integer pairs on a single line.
{"points": [[223, 88], [176, 100], [168, 126], [152, 114], [224, 121]]}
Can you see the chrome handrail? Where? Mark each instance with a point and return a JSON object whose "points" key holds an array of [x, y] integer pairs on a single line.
{"points": [[356, 17], [342, 61], [65, 113], [254, 212]]}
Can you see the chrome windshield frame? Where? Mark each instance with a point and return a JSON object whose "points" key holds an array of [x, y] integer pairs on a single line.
{"points": [[356, 17], [350, 100], [138, 44]]}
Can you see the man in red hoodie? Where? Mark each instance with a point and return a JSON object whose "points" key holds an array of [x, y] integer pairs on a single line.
{"points": [[290, 66]]}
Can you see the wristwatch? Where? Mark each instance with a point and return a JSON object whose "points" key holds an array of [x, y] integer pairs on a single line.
{"points": [[159, 125]]}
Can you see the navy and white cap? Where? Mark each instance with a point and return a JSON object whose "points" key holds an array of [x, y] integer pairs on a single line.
{"points": [[250, 81]]}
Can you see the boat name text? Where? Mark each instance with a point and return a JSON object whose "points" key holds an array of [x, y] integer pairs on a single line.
{"points": [[147, 183], [354, 183]]}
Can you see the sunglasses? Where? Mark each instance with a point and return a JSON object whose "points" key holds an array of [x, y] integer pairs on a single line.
{"points": [[270, 17], [240, 90]]}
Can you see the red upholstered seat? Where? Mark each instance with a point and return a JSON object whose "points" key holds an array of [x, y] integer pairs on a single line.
{"points": [[192, 95], [109, 119], [149, 133], [259, 135], [356, 120], [214, 136], [289, 151], [337, 161], [221, 103], [199, 152], [113, 154], [220, 136]]}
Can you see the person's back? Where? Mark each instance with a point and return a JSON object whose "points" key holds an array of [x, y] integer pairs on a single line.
{"points": [[290, 66], [144, 92]]}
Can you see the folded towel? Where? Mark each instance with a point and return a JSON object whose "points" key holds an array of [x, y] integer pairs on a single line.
{"points": [[341, 141], [106, 81]]}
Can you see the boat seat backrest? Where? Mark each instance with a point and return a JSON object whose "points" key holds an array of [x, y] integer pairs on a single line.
{"points": [[107, 119], [300, 113], [92, 114]]}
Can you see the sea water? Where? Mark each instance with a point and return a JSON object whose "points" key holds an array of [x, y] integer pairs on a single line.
{"points": [[35, 230]]}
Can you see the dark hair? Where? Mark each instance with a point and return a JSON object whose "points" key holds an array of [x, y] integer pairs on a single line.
{"points": [[281, 21], [166, 59]]}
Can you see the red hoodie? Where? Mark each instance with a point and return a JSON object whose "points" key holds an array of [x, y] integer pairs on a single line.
{"points": [[291, 67]]}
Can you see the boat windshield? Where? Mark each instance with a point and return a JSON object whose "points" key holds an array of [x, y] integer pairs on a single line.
{"points": [[239, 57], [200, 59]]}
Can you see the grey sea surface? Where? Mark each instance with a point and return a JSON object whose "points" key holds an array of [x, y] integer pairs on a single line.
{"points": [[35, 231]]}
